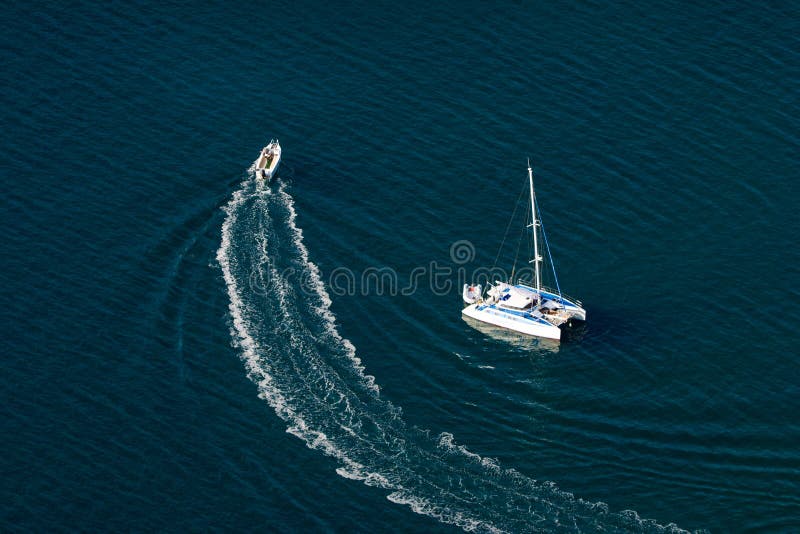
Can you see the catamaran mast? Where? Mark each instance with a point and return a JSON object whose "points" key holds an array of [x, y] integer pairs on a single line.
{"points": [[536, 257]]}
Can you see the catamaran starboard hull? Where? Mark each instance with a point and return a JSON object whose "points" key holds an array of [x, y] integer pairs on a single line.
{"points": [[517, 321]]}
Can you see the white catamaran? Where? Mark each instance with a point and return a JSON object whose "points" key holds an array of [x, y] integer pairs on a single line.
{"points": [[522, 307], [268, 161]]}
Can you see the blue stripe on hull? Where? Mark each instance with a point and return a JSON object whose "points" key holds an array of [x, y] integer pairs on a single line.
{"points": [[525, 315]]}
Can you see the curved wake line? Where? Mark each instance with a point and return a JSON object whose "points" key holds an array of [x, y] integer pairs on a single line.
{"points": [[324, 305], [258, 371], [362, 431]]}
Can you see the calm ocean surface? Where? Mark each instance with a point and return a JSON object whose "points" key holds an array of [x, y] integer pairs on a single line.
{"points": [[175, 354]]}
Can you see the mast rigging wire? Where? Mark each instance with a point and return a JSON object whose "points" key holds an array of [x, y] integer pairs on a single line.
{"points": [[549, 255], [505, 235]]}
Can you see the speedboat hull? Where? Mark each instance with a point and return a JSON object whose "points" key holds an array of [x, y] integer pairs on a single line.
{"points": [[268, 161]]}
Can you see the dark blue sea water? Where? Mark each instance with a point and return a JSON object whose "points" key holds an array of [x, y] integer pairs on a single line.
{"points": [[176, 355]]}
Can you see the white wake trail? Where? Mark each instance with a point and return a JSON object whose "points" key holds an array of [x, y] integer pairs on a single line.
{"points": [[324, 300], [313, 379]]}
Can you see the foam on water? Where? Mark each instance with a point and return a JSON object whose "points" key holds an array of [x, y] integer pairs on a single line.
{"points": [[311, 376], [322, 307]]}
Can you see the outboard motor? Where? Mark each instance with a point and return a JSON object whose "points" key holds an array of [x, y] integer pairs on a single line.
{"points": [[471, 294]]}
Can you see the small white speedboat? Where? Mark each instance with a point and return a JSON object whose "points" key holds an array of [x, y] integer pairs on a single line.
{"points": [[268, 161]]}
